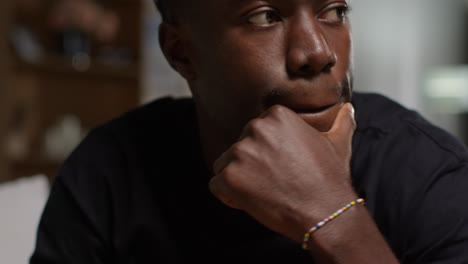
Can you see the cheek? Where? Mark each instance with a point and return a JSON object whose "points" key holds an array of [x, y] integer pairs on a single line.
{"points": [[244, 67], [234, 76], [253, 61], [231, 76], [341, 42]]}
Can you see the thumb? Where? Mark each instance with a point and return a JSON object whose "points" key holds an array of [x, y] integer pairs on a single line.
{"points": [[342, 131]]}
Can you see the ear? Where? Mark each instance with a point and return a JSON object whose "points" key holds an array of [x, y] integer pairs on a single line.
{"points": [[175, 50]]}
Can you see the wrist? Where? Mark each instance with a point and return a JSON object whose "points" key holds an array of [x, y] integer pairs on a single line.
{"points": [[336, 234], [352, 237], [328, 219], [306, 216]]}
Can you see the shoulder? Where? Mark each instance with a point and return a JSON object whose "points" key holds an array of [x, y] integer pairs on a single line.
{"points": [[105, 183], [391, 125], [126, 141], [157, 113], [145, 123], [414, 176], [399, 157]]}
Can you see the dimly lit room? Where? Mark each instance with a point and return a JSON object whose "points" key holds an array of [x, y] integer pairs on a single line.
{"points": [[71, 67]]}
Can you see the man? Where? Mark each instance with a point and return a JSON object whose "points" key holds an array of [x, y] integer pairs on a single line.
{"points": [[262, 158]]}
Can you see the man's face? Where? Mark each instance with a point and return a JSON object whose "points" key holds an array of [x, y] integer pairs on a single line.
{"points": [[249, 55]]}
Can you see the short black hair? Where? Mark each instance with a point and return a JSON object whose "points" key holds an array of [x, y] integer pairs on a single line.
{"points": [[165, 11]]}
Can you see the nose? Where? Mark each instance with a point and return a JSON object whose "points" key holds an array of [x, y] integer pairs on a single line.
{"points": [[308, 52]]}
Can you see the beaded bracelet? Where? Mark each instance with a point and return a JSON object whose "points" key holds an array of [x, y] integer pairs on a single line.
{"points": [[328, 219]]}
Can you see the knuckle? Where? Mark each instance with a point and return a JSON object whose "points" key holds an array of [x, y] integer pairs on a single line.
{"points": [[238, 150], [256, 124], [218, 188], [260, 128], [278, 110], [230, 178], [242, 151]]}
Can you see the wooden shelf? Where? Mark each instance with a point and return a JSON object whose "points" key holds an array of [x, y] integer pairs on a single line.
{"points": [[36, 96], [55, 64]]}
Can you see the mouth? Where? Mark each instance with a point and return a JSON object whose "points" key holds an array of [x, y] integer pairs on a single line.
{"points": [[316, 110], [317, 107], [321, 118]]}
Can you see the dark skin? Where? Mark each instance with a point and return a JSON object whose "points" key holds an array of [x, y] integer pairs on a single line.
{"points": [[271, 82]]}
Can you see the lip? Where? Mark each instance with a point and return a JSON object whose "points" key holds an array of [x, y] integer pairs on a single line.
{"points": [[317, 110], [320, 118]]}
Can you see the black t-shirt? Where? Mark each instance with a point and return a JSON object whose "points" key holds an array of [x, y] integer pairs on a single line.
{"points": [[136, 191]]}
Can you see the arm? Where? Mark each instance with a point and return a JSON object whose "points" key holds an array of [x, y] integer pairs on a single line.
{"points": [[289, 177]]}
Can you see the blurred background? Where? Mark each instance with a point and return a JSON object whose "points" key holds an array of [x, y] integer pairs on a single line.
{"points": [[67, 66]]}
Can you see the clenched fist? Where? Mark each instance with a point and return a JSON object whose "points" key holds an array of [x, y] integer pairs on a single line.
{"points": [[285, 173]]}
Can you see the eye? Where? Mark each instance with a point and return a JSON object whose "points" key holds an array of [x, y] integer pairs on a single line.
{"points": [[265, 18], [335, 15]]}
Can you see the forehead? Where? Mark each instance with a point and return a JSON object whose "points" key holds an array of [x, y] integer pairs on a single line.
{"points": [[231, 4]]}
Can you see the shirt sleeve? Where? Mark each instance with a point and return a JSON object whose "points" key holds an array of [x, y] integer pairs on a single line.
{"points": [[75, 225]]}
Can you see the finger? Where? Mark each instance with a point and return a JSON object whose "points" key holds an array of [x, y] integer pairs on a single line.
{"points": [[237, 152], [222, 161], [267, 119], [253, 124], [247, 129], [342, 131], [278, 112], [219, 189]]}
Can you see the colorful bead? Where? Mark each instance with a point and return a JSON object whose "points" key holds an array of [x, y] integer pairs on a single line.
{"points": [[328, 219]]}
